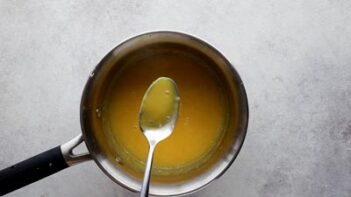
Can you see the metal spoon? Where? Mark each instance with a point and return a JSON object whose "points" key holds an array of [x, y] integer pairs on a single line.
{"points": [[157, 118]]}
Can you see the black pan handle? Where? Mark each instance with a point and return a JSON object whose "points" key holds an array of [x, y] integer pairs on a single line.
{"points": [[41, 166], [31, 170]]}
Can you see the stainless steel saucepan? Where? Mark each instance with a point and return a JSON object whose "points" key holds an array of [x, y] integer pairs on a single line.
{"points": [[61, 157]]}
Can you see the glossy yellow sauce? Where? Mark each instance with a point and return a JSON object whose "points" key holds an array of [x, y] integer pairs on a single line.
{"points": [[200, 124], [159, 105]]}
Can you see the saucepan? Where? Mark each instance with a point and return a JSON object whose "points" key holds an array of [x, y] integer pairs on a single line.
{"points": [[61, 157]]}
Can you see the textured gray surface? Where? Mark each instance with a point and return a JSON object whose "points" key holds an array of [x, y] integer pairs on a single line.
{"points": [[294, 58]]}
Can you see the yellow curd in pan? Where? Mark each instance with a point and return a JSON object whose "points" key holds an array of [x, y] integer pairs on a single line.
{"points": [[200, 125]]}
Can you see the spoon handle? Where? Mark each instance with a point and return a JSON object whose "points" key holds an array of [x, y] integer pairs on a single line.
{"points": [[146, 182]]}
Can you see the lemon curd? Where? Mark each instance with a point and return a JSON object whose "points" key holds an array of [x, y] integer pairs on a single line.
{"points": [[202, 113]]}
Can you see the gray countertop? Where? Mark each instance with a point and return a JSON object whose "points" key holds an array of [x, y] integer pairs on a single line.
{"points": [[293, 56]]}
